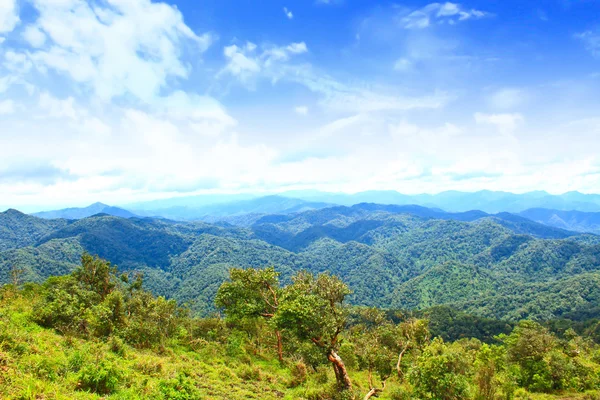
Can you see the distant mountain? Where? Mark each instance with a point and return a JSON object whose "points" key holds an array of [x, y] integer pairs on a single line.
{"points": [[579, 221], [191, 202], [213, 207], [223, 211], [454, 201], [78, 213]]}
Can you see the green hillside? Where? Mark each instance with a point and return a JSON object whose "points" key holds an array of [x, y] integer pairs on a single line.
{"points": [[97, 334], [405, 257]]}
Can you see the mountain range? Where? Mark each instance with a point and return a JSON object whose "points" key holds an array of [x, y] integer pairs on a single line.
{"points": [[452, 201], [84, 212], [409, 257], [244, 210]]}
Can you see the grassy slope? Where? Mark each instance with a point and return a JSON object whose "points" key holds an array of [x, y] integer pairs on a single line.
{"points": [[38, 363]]}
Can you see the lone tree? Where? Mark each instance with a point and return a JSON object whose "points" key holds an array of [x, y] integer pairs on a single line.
{"points": [[410, 334], [251, 293], [312, 309], [373, 340], [15, 275]]}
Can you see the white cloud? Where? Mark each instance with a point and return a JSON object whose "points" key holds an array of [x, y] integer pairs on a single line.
{"points": [[57, 108], [9, 17], [17, 62], [288, 13], [7, 107], [591, 41], [438, 13], [122, 47], [361, 98], [301, 110], [506, 123], [403, 65], [247, 62], [297, 48], [508, 98], [34, 36], [242, 62]]}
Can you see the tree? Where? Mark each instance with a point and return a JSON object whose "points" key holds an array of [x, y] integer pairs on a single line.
{"points": [[527, 346], [372, 339], [96, 275], [312, 308], [15, 275], [441, 372], [409, 334], [251, 293]]}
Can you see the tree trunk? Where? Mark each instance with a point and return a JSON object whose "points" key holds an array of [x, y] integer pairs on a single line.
{"points": [[341, 374], [398, 364], [279, 346], [374, 391]]}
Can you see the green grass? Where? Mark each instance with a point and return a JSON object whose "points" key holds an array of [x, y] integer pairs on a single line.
{"points": [[39, 363]]}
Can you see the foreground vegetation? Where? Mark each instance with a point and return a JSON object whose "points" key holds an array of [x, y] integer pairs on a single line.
{"points": [[95, 334]]}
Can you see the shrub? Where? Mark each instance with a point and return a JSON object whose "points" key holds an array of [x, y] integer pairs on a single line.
{"points": [[299, 374], [179, 388], [321, 376], [149, 367], [249, 373], [101, 378], [117, 345]]}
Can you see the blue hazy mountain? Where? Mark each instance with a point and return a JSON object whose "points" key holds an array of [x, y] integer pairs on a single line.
{"points": [[231, 208], [571, 211], [84, 212], [573, 220], [452, 201], [455, 201]]}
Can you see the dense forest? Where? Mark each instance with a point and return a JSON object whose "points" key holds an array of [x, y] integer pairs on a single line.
{"points": [[97, 333], [406, 257]]}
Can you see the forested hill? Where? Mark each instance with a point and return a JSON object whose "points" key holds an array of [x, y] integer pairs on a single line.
{"points": [[502, 266]]}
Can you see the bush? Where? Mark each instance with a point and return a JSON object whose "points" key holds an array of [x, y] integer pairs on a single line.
{"points": [[179, 388], [101, 378], [321, 376], [249, 373], [440, 372], [117, 345], [399, 394], [149, 367], [299, 374]]}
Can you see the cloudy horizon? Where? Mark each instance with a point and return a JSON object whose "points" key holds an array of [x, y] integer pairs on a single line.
{"points": [[130, 100]]}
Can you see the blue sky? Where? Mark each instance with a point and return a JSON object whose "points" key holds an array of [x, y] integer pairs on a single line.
{"points": [[127, 100]]}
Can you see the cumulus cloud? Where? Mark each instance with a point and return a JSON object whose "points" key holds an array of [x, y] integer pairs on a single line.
{"points": [[439, 13], [288, 13], [34, 36], [246, 62], [505, 123], [9, 17], [403, 65], [301, 110], [7, 107], [116, 48], [508, 98], [591, 41]]}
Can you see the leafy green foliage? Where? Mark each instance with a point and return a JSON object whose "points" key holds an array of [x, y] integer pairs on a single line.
{"points": [[108, 338], [405, 257]]}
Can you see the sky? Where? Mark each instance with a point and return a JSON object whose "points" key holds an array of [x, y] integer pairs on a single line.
{"points": [[130, 100]]}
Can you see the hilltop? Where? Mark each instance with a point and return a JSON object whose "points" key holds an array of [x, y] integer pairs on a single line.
{"points": [[389, 255]]}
